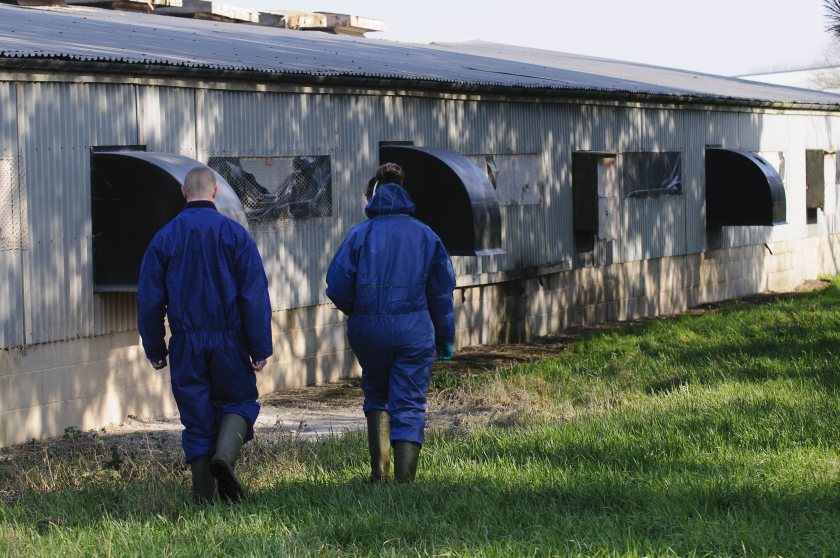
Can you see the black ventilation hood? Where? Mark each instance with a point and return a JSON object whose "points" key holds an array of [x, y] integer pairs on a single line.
{"points": [[742, 189], [133, 195], [453, 196]]}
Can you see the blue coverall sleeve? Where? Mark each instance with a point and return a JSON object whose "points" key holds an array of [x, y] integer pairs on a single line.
{"points": [[152, 301], [341, 277], [439, 288], [253, 300]]}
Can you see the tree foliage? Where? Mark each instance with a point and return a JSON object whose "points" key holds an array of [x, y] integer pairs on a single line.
{"points": [[833, 12]]}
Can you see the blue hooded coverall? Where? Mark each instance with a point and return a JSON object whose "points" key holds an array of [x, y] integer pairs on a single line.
{"points": [[203, 270], [393, 277]]}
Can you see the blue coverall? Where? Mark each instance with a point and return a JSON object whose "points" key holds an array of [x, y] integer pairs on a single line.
{"points": [[203, 270], [393, 278]]}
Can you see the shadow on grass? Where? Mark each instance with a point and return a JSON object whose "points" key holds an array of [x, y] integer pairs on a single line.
{"points": [[749, 473], [547, 489]]}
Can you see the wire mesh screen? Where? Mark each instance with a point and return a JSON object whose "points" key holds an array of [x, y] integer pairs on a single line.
{"points": [[651, 173], [11, 237], [514, 176], [279, 189]]}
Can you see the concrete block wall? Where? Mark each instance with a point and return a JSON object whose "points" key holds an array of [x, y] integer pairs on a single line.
{"points": [[99, 381], [86, 383], [519, 310], [94, 382]]}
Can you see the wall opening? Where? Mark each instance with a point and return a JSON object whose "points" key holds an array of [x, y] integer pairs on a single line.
{"points": [[133, 195], [452, 195], [11, 231], [742, 189], [514, 177], [595, 199], [279, 190], [648, 173], [820, 177]]}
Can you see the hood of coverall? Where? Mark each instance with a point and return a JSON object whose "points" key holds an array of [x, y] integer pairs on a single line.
{"points": [[389, 199]]}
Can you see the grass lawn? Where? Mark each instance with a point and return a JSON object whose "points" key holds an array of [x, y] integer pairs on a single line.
{"points": [[707, 434]]}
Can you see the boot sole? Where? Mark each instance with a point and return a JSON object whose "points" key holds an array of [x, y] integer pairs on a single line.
{"points": [[229, 488]]}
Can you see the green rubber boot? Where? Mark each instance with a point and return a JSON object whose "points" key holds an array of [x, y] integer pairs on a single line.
{"points": [[231, 436], [379, 445], [405, 461], [203, 482]]}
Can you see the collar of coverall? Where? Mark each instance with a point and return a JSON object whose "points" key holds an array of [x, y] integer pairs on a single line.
{"points": [[200, 203]]}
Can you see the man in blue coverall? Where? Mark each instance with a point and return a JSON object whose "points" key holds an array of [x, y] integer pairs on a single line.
{"points": [[393, 278], [203, 270]]}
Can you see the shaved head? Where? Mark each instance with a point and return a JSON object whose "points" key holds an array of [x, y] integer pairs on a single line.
{"points": [[200, 184]]}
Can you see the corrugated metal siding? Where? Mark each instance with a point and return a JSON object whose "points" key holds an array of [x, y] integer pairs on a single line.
{"points": [[823, 136], [60, 123], [233, 124], [114, 312], [11, 275], [791, 135], [702, 129], [558, 142], [696, 131], [166, 123], [628, 123], [830, 216], [365, 121], [11, 300], [362, 123], [832, 212], [819, 133], [593, 128], [652, 227], [741, 236], [490, 128], [661, 130], [166, 119], [494, 127], [580, 128]]}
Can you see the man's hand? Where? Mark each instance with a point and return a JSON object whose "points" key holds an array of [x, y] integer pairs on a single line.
{"points": [[159, 365], [258, 365]]}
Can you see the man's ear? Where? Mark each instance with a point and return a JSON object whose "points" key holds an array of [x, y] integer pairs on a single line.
{"points": [[184, 192], [215, 190]]}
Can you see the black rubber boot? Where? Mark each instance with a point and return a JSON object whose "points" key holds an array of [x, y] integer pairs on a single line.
{"points": [[379, 445], [203, 482], [405, 461], [231, 436]]}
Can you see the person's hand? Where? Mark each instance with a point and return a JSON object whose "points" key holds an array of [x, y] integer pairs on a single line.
{"points": [[160, 364], [445, 352], [258, 365]]}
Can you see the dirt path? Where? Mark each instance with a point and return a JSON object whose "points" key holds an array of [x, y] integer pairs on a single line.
{"points": [[337, 407]]}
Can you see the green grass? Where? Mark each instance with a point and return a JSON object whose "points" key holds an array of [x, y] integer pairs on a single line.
{"points": [[701, 435]]}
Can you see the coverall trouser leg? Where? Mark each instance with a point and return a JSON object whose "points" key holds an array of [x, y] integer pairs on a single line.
{"points": [[396, 354], [211, 377]]}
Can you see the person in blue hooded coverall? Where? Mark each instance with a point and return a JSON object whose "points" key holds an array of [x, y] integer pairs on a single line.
{"points": [[203, 270], [392, 276]]}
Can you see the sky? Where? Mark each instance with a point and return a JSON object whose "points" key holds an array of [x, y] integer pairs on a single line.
{"points": [[725, 37]]}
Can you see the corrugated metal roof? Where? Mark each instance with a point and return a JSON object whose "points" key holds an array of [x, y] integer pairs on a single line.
{"points": [[668, 78], [94, 35]]}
